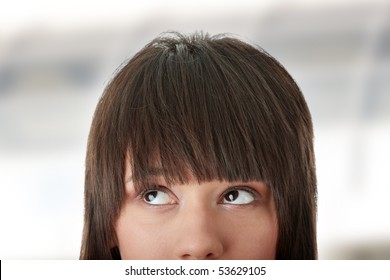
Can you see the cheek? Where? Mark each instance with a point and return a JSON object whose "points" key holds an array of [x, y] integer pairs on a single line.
{"points": [[148, 234], [252, 237], [263, 241], [139, 238]]}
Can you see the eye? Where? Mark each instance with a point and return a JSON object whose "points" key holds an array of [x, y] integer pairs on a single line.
{"points": [[238, 196], [157, 197]]}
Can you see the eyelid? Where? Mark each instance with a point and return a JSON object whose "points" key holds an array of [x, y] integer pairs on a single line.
{"points": [[155, 187], [256, 194], [152, 187], [242, 188]]}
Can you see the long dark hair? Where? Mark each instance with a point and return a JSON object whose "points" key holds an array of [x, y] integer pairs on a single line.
{"points": [[209, 107]]}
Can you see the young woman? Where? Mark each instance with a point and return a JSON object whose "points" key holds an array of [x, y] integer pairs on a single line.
{"points": [[201, 147]]}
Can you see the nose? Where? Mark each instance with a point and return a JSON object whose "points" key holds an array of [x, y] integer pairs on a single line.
{"points": [[198, 237]]}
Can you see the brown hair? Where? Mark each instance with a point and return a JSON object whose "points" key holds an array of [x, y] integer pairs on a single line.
{"points": [[209, 107]]}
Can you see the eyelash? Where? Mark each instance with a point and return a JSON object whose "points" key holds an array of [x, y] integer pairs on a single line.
{"points": [[148, 188], [255, 194], [153, 187]]}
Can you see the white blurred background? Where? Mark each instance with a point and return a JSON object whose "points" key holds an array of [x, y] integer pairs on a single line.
{"points": [[57, 57]]}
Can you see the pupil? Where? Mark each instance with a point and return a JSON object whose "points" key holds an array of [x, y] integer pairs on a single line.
{"points": [[231, 196], [150, 196]]}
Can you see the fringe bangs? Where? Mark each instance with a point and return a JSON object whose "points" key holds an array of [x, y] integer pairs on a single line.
{"points": [[190, 114]]}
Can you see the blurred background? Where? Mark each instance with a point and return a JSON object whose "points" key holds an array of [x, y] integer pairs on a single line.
{"points": [[57, 57]]}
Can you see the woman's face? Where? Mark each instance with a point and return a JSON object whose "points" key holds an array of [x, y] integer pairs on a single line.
{"points": [[211, 220]]}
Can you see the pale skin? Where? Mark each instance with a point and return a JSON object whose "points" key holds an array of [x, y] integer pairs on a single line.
{"points": [[210, 220]]}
